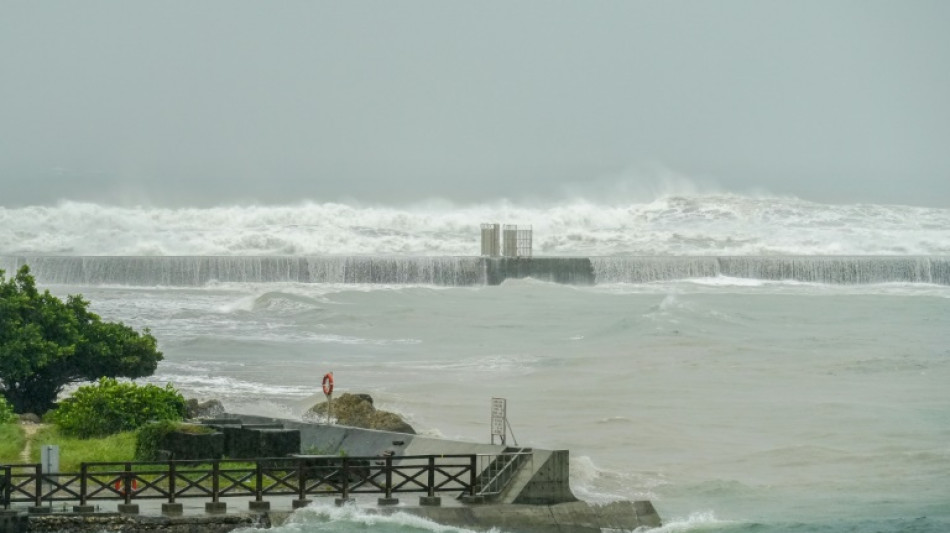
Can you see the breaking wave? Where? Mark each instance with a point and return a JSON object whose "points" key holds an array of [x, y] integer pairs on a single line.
{"points": [[719, 224]]}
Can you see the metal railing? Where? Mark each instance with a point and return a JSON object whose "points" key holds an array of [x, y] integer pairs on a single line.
{"points": [[497, 470], [289, 476]]}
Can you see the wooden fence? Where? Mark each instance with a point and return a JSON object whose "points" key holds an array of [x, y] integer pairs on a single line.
{"points": [[283, 476]]}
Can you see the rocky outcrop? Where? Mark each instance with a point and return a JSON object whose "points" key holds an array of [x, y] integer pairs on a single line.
{"points": [[357, 410], [208, 409]]}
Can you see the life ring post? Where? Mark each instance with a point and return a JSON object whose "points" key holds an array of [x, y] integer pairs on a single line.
{"points": [[328, 391]]}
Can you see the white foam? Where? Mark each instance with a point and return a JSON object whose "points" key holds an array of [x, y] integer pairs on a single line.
{"points": [[686, 224], [325, 512], [594, 484], [225, 387], [698, 521]]}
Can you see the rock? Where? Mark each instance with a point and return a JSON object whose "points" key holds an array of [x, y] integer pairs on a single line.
{"points": [[30, 418], [357, 410], [208, 409]]}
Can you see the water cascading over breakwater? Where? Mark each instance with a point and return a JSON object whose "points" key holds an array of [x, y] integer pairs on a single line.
{"points": [[812, 269], [195, 271]]}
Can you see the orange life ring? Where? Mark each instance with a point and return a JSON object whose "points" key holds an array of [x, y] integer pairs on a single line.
{"points": [[328, 383], [121, 490]]}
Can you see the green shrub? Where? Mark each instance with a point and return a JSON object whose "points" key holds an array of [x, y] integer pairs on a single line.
{"points": [[110, 406], [7, 416], [149, 438]]}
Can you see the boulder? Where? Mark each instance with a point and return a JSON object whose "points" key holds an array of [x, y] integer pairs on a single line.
{"points": [[208, 409], [357, 410]]}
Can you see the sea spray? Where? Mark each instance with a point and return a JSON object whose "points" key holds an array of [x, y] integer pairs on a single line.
{"points": [[723, 224], [325, 516]]}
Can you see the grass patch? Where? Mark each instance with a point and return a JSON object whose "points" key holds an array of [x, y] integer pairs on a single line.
{"points": [[12, 440], [74, 451]]}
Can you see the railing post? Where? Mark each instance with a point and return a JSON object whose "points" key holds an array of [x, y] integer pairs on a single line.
{"points": [[127, 483], [471, 474], [388, 499], [172, 474], [215, 506], [258, 482], [5, 488], [171, 508], [301, 500], [128, 507], [345, 470], [346, 478], [389, 476], [83, 473], [430, 499], [38, 500], [258, 504], [301, 480], [83, 506], [214, 480]]}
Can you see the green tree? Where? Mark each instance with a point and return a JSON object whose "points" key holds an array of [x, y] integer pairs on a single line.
{"points": [[46, 343], [7, 416]]}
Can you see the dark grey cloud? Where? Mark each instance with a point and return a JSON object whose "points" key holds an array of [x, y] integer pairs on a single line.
{"points": [[225, 101]]}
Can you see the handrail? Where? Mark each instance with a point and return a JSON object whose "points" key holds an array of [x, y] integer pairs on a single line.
{"points": [[499, 471], [300, 475]]}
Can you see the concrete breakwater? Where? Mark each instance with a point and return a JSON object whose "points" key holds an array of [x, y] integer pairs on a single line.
{"points": [[195, 271]]}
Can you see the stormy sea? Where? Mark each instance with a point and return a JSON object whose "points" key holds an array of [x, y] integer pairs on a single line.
{"points": [[747, 363]]}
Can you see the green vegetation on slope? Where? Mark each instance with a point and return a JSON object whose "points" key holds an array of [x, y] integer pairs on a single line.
{"points": [[74, 451], [12, 440]]}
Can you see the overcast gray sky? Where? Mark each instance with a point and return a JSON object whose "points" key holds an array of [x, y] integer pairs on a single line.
{"points": [[219, 102]]}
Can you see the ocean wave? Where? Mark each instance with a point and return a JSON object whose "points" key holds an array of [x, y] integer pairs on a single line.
{"points": [[594, 484], [711, 224], [356, 518]]}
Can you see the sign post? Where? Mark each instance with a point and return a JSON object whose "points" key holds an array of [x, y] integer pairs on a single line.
{"points": [[49, 461], [499, 419]]}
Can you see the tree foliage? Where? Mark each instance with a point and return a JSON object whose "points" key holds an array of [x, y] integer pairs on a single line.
{"points": [[7, 416], [110, 406], [46, 343]]}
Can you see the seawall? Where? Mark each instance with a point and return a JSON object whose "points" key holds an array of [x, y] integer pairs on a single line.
{"points": [[192, 271]]}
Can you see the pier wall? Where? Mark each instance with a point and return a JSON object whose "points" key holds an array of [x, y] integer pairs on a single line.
{"points": [[194, 271]]}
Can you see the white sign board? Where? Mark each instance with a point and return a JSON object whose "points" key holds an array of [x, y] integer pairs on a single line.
{"points": [[498, 418]]}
